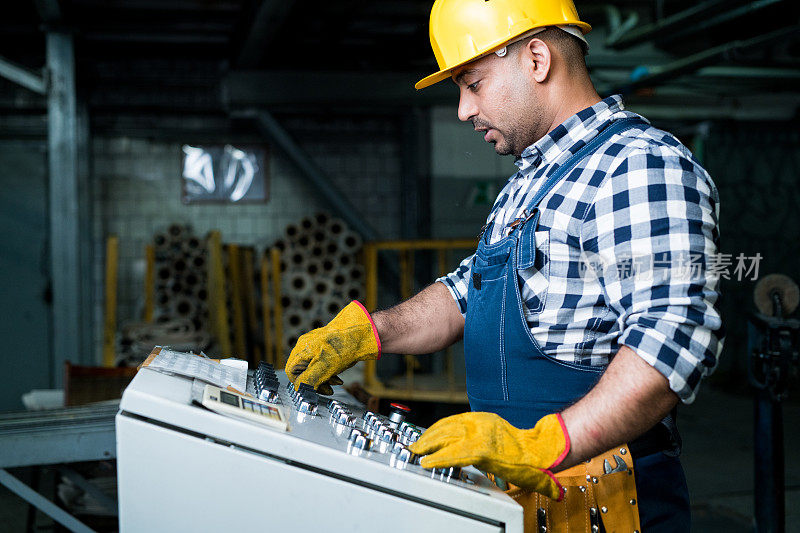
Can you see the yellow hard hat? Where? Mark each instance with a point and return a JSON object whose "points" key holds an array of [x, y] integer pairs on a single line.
{"points": [[464, 30]]}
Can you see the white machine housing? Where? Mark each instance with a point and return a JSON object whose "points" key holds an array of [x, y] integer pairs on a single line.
{"points": [[184, 468]]}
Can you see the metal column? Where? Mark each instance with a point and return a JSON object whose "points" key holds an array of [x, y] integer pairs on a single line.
{"points": [[769, 465], [64, 212], [87, 355]]}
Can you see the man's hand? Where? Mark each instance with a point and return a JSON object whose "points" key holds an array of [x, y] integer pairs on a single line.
{"points": [[324, 352], [524, 457]]}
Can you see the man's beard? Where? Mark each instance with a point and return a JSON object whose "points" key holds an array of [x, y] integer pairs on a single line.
{"points": [[508, 143]]}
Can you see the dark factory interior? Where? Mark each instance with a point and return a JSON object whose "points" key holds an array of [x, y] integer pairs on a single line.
{"points": [[203, 188]]}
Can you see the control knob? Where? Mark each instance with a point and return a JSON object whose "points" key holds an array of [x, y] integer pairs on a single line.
{"points": [[345, 419], [401, 457], [387, 438], [358, 442], [446, 474], [307, 407]]}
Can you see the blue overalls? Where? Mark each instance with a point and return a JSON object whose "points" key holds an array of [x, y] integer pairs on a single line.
{"points": [[508, 374]]}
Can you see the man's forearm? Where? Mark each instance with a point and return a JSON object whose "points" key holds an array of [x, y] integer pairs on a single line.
{"points": [[425, 323], [629, 399]]}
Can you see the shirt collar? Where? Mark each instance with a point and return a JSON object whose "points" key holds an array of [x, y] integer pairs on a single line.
{"points": [[581, 126]]}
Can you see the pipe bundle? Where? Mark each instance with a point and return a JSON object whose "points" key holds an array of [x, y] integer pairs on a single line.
{"points": [[319, 273], [180, 308], [180, 280]]}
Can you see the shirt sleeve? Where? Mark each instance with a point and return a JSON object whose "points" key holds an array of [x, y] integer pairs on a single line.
{"points": [[458, 283], [648, 237]]}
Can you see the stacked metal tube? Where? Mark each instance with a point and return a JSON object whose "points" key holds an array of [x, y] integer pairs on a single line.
{"points": [[180, 268], [320, 273], [180, 313]]}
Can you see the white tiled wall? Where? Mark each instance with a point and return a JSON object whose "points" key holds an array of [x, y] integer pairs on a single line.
{"points": [[137, 191]]}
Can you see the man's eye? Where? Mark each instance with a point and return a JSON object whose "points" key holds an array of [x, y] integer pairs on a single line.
{"points": [[472, 86]]}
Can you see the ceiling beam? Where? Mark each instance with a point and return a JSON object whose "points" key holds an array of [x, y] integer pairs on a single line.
{"points": [[662, 74], [243, 89], [686, 32], [49, 11], [269, 17], [22, 76], [215, 6], [669, 24], [166, 37]]}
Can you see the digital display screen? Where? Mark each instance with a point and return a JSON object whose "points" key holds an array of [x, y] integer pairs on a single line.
{"points": [[228, 398]]}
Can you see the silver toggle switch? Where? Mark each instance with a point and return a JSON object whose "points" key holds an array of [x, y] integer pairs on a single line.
{"points": [[268, 396], [345, 419], [446, 474], [401, 457], [307, 407], [358, 442], [387, 438]]}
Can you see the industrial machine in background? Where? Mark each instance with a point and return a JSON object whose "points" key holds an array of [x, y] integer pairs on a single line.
{"points": [[773, 357]]}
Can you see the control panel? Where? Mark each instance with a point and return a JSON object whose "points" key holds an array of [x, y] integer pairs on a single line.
{"points": [[334, 467], [350, 428]]}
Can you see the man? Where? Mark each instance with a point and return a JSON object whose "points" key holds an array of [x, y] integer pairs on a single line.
{"points": [[578, 317]]}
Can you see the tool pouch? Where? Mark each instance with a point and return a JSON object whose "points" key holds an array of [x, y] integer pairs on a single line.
{"points": [[594, 500]]}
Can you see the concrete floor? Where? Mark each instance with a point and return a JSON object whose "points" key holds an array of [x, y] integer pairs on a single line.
{"points": [[718, 459]]}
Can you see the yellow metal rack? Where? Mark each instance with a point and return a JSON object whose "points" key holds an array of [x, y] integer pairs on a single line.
{"points": [[450, 392]]}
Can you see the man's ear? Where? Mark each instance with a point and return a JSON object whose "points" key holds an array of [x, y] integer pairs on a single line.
{"points": [[538, 54]]}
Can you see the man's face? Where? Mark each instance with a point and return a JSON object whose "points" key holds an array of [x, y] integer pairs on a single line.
{"points": [[496, 97]]}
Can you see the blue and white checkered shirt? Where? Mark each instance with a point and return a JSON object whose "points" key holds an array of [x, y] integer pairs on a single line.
{"points": [[621, 249]]}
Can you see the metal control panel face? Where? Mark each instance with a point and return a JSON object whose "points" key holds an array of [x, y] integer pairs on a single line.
{"points": [[355, 465], [338, 424]]}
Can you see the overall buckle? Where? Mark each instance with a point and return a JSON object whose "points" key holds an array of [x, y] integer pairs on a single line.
{"points": [[520, 220]]}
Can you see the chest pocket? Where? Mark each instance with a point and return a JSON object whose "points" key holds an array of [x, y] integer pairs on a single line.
{"points": [[534, 272]]}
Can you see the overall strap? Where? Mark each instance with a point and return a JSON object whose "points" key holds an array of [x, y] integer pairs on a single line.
{"points": [[531, 213]]}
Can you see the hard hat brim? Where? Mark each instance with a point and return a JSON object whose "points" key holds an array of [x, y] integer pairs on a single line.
{"points": [[436, 77], [443, 74]]}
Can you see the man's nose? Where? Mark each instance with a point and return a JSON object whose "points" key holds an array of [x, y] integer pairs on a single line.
{"points": [[466, 106]]}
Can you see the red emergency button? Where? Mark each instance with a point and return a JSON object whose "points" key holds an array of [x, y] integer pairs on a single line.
{"points": [[397, 414]]}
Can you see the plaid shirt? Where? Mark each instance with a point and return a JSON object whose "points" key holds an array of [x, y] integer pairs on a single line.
{"points": [[621, 249]]}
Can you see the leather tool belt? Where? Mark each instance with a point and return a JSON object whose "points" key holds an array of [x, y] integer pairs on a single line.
{"points": [[600, 496]]}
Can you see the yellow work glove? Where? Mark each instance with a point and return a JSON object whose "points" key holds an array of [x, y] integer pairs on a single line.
{"points": [[524, 457], [322, 353]]}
